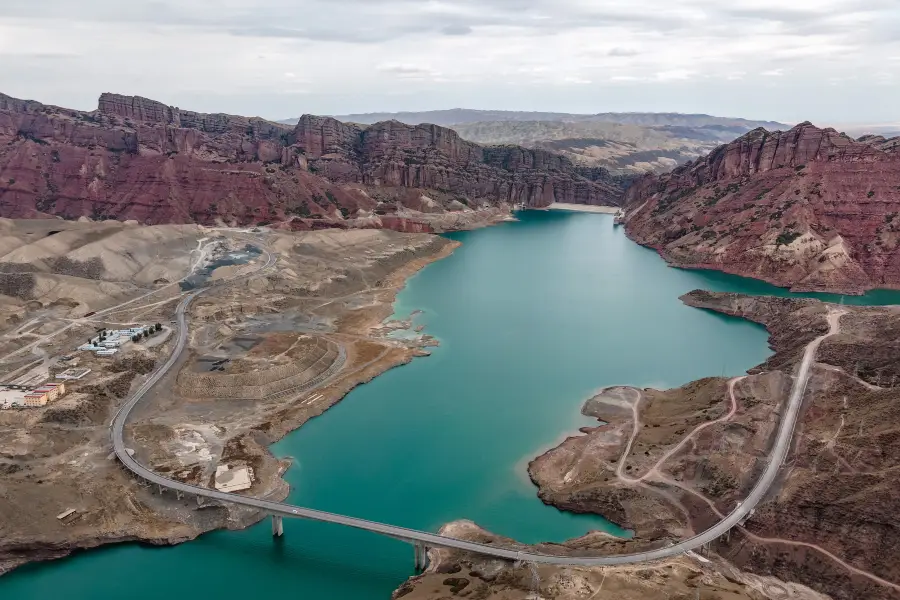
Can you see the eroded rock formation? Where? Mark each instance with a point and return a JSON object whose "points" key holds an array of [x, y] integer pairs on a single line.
{"points": [[136, 158], [807, 208]]}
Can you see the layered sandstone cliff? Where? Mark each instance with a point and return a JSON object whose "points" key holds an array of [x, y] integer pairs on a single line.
{"points": [[807, 208], [136, 158]]}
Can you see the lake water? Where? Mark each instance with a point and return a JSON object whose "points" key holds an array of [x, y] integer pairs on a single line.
{"points": [[533, 316]]}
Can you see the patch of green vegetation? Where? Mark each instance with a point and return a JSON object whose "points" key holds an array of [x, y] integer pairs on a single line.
{"points": [[889, 217], [763, 193], [11, 181], [301, 210], [708, 235], [330, 197], [719, 193], [870, 194], [666, 201], [786, 237]]}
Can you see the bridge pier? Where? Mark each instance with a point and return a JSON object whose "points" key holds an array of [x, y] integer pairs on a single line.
{"points": [[421, 554], [277, 526]]}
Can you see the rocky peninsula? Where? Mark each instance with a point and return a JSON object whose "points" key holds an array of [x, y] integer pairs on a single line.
{"points": [[669, 463]]}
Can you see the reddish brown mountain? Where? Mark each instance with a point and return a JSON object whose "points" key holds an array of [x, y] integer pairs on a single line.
{"points": [[807, 208], [135, 158]]}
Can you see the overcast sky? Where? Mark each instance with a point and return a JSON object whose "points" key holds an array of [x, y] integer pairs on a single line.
{"points": [[829, 61]]}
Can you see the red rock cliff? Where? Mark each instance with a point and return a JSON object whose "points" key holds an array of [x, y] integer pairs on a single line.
{"points": [[136, 158], [393, 154], [807, 208]]}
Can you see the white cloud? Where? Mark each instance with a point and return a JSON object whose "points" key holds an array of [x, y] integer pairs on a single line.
{"points": [[409, 71], [675, 75], [278, 58]]}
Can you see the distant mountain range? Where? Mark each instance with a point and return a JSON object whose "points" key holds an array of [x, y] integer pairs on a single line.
{"points": [[625, 143], [457, 116]]}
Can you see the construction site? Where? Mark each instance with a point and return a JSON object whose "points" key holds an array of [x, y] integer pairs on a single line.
{"points": [[269, 348]]}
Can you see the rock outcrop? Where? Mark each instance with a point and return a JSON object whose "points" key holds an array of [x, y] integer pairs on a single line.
{"points": [[808, 208], [136, 158]]}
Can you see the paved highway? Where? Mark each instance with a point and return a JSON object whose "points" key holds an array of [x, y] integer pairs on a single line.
{"points": [[776, 458]]}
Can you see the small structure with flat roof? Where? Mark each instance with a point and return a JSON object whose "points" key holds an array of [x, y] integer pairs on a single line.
{"points": [[233, 479], [73, 374]]}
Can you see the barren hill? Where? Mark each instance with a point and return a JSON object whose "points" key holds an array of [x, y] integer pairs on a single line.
{"points": [[626, 143], [457, 116], [808, 208]]}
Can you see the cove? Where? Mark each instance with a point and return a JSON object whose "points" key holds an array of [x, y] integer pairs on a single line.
{"points": [[533, 316]]}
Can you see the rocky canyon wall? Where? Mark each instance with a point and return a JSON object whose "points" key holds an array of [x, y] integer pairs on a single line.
{"points": [[808, 208], [136, 158]]}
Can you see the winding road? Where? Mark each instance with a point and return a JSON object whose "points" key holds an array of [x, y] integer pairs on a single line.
{"points": [[777, 456]]}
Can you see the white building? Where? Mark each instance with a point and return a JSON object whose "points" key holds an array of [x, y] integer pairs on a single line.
{"points": [[106, 352], [233, 480]]}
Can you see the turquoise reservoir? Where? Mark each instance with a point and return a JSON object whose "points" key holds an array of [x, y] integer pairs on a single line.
{"points": [[533, 316]]}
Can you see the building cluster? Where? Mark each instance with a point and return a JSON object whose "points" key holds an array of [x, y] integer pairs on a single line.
{"points": [[108, 341], [14, 396], [105, 343]]}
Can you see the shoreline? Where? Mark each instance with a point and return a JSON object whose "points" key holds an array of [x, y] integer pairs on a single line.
{"points": [[290, 420], [585, 208], [729, 270]]}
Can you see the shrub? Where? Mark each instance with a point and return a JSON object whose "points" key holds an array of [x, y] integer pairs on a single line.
{"points": [[870, 194], [786, 237]]}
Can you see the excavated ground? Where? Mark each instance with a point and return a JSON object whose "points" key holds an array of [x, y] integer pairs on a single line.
{"points": [[296, 338]]}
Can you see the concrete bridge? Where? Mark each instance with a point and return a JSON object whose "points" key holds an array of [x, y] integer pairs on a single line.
{"points": [[422, 540]]}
